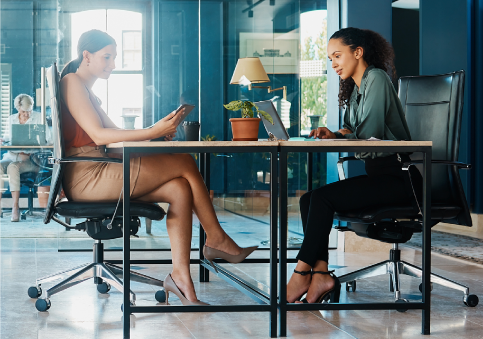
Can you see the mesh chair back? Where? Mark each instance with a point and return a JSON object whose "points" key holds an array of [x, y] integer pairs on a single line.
{"points": [[434, 108], [53, 80]]}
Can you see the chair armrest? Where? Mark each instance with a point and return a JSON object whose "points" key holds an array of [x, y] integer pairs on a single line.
{"points": [[84, 159], [458, 164], [340, 168]]}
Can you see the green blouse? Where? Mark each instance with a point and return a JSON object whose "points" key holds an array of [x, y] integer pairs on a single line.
{"points": [[375, 111]]}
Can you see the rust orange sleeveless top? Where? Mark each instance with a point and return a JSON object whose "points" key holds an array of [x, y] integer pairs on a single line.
{"points": [[74, 135]]}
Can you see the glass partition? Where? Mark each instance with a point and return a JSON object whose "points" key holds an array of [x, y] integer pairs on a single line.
{"points": [[168, 53]]}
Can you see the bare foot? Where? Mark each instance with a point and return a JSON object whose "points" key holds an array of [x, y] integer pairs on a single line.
{"points": [[185, 285], [320, 284], [226, 244]]}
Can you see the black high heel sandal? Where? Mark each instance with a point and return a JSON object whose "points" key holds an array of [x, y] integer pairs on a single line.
{"points": [[303, 273], [332, 295]]}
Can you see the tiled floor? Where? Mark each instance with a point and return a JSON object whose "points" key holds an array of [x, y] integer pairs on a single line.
{"points": [[81, 312]]}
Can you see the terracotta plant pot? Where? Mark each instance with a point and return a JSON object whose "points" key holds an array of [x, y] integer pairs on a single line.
{"points": [[43, 195], [245, 129]]}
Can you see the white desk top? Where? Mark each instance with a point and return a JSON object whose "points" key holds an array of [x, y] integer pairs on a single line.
{"points": [[193, 144], [352, 142], [317, 143]]}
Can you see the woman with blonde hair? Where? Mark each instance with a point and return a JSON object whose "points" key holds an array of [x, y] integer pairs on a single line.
{"points": [[17, 162], [171, 178]]}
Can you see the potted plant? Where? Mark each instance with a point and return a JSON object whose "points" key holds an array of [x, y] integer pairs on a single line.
{"points": [[246, 127]]}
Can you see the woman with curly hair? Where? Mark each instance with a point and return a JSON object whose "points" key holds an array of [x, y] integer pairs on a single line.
{"points": [[364, 60]]}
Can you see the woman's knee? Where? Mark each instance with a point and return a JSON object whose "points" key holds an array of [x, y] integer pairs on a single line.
{"points": [[181, 189], [13, 168]]}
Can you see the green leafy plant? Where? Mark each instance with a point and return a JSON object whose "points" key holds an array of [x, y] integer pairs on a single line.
{"points": [[247, 109], [209, 138]]}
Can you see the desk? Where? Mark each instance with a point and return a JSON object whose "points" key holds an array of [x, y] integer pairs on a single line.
{"points": [[424, 147], [267, 303]]}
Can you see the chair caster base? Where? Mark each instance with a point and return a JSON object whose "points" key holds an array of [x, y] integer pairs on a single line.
{"points": [[42, 305], [471, 300], [421, 287], [160, 296], [402, 301], [103, 288], [350, 286], [34, 292]]}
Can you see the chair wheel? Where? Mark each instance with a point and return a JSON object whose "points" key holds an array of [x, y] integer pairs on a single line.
{"points": [[23, 217], [471, 300], [34, 292], [104, 287], [421, 287], [402, 301], [160, 296], [122, 306], [350, 285], [42, 305]]}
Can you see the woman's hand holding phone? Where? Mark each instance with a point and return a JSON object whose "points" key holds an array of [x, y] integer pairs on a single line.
{"points": [[167, 126]]}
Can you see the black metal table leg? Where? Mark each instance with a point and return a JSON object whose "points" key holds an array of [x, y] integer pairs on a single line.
{"points": [[126, 266], [310, 163], [426, 241], [273, 241], [205, 172], [283, 243]]}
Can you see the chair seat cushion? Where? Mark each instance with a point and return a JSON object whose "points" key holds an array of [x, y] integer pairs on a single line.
{"points": [[379, 213], [74, 209]]}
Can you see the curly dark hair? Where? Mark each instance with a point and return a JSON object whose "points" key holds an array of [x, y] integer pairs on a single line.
{"points": [[377, 52]]}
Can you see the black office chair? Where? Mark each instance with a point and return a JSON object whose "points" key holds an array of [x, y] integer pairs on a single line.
{"points": [[103, 222], [433, 107]]}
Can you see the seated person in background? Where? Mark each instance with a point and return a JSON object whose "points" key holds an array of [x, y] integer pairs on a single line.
{"points": [[16, 162]]}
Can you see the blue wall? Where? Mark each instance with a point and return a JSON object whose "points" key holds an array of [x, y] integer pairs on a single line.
{"points": [[475, 106], [17, 25], [443, 49]]}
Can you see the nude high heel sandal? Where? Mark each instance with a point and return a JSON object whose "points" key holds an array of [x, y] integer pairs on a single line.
{"points": [[212, 253], [170, 286]]}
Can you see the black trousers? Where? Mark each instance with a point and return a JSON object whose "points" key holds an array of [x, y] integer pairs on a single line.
{"points": [[384, 184]]}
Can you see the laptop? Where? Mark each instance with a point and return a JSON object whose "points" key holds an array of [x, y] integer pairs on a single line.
{"points": [[277, 129], [28, 135]]}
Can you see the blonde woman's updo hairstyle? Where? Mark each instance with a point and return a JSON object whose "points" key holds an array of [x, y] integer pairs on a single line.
{"points": [[23, 102], [91, 41]]}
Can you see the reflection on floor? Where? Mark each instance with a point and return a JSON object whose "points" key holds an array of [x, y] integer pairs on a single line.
{"points": [[81, 312]]}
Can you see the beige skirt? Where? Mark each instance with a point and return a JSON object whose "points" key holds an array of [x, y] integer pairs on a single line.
{"points": [[96, 181]]}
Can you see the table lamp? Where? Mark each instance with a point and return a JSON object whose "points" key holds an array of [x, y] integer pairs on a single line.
{"points": [[250, 71]]}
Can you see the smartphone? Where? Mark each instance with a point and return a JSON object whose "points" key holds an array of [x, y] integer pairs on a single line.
{"points": [[187, 110]]}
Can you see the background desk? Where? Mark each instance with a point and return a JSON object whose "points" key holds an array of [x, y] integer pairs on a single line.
{"points": [[268, 303], [356, 146]]}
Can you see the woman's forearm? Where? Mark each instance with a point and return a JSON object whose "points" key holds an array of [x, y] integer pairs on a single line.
{"points": [[104, 136]]}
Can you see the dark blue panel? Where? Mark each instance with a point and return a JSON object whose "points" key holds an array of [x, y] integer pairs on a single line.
{"points": [[17, 36], [443, 49]]}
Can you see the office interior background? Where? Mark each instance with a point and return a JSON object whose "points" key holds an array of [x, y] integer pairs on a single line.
{"points": [[173, 52]]}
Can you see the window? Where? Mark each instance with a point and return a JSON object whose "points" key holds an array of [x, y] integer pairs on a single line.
{"points": [[6, 96], [124, 91], [132, 50], [313, 70]]}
